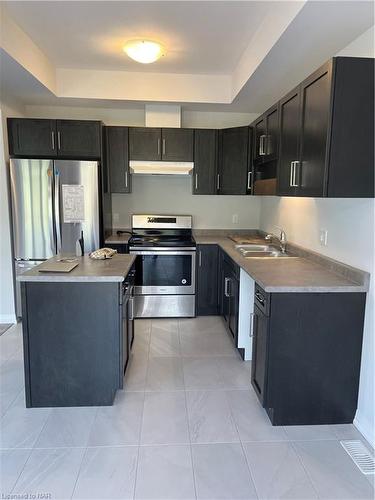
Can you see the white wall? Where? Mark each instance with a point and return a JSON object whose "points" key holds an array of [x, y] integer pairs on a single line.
{"points": [[168, 194], [7, 310], [350, 225]]}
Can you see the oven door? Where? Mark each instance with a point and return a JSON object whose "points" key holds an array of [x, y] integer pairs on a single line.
{"points": [[164, 272]]}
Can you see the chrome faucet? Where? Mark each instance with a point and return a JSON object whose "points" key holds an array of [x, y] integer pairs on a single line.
{"points": [[281, 240]]}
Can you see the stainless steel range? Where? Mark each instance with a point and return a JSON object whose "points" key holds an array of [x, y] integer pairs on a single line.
{"points": [[165, 266]]}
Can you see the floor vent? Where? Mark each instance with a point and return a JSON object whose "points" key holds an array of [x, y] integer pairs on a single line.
{"points": [[360, 455]]}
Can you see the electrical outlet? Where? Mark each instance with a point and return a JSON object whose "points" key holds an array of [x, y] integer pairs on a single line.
{"points": [[115, 217], [323, 237], [235, 218]]}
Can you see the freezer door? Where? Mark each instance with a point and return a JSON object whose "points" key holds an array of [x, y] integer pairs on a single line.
{"points": [[32, 208], [76, 204]]}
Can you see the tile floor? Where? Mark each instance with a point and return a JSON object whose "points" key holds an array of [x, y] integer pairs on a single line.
{"points": [[188, 425]]}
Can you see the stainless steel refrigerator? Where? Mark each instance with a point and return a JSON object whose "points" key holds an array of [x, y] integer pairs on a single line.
{"points": [[52, 202]]}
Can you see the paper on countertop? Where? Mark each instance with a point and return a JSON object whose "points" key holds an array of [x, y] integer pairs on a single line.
{"points": [[73, 202]]}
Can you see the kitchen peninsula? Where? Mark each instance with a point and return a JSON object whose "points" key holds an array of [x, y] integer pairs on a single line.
{"points": [[77, 331]]}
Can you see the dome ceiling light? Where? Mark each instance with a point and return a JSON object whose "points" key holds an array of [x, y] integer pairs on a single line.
{"points": [[144, 51]]}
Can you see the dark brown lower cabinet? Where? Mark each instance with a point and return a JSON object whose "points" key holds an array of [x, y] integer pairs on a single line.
{"points": [[207, 280], [306, 355], [77, 338], [229, 289]]}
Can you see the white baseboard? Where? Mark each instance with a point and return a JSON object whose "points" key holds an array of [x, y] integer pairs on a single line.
{"points": [[8, 319], [365, 428]]}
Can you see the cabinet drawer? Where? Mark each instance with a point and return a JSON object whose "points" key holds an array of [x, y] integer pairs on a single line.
{"points": [[235, 268], [262, 300]]}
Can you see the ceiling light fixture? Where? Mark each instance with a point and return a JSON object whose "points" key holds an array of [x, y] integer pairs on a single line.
{"points": [[144, 51]]}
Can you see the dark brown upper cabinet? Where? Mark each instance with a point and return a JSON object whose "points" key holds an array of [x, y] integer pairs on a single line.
{"points": [[234, 174], [29, 137], [145, 143], [78, 139], [266, 135], [327, 132], [265, 147], [117, 159], [167, 144], [177, 144], [205, 161], [32, 137]]}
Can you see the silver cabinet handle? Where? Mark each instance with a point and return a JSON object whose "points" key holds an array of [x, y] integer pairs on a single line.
{"points": [[252, 325], [295, 181], [249, 180], [196, 181], [58, 140], [226, 287], [164, 146], [53, 139], [158, 147], [126, 178], [131, 308], [293, 174], [262, 141], [218, 182], [200, 258]]}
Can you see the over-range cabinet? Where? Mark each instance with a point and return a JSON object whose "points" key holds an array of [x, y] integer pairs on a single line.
{"points": [[53, 201]]}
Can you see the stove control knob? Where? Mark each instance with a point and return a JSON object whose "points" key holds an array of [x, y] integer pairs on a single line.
{"points": [[183, 281]]}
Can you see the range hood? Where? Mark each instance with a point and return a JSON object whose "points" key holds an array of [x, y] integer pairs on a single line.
{"points": [[142, 167]]}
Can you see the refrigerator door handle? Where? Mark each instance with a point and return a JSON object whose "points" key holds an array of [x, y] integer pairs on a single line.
{"points": [[50, 213], [57, 211]]}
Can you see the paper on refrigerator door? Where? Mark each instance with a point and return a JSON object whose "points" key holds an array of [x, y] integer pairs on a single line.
{"points": [[73, 202]]}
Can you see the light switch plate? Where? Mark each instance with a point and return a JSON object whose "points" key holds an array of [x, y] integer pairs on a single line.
{"points": [[323, 237], [235, 218]]}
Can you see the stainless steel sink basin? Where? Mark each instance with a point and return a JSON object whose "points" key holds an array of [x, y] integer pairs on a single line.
{"points": [[252, 250]]}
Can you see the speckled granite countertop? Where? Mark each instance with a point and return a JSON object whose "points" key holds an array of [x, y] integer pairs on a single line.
{"points": [[88, 270], [307, 273]]}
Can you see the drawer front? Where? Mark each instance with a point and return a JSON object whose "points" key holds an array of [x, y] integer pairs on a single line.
{"points": [[262, 300]]}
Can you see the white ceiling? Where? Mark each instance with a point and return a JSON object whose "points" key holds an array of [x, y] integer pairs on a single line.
{"points": [[209, 38], [200, 37]]}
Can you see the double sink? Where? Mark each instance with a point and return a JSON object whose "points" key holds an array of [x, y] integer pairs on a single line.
{"points": [[260, 251]]}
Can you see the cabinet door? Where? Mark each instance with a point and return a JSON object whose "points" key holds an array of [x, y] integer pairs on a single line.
{"points": [[260, 345], [125, 336], [233, 150], [272, 127], [315, 105], [225, 284], [259, 138], [32, 138], [234, 292], [177, 144], [207, 280], [144, 143], [205, 161], [118, 159], [78, 139], [289, 142]]}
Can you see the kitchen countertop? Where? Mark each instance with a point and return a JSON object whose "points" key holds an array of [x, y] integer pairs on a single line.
{"points": [[88, 270], [119, 239], [292, 274]]}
